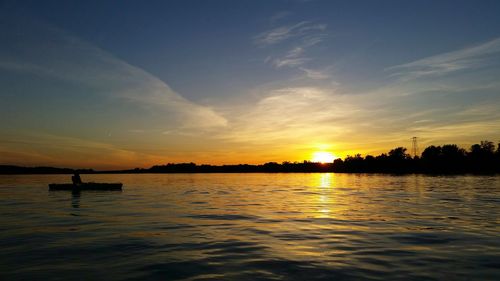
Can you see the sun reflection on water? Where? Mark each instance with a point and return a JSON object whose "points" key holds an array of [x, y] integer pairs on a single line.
{"points": [[324, 184], [325, 180]]}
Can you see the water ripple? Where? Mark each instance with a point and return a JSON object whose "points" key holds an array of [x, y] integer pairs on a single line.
{"points": [[252, 227]]}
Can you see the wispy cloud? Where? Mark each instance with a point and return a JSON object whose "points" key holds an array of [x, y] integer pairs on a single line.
{"points": [[289, 113], [290, 62], [300, 38], [72, 61], [315, 74], [295, 52], [467, 58], [292, 58], [279, 34]]}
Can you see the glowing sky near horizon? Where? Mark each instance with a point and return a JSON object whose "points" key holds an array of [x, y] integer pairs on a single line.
{"points": [[122, 84]]}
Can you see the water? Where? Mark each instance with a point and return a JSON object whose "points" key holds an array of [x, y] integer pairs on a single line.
{"points": [[252, 227]]}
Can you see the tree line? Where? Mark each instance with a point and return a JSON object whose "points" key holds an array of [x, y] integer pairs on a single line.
{"points": [[483, 157], [449, 158]]}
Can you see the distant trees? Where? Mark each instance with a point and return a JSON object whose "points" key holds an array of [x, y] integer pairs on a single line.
{"points": [[399, 154], [483, 157], [446, 159], [449, 158]]}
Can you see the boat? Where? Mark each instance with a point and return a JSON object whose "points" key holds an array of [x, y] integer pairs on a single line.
{"points": [[85, 186]]}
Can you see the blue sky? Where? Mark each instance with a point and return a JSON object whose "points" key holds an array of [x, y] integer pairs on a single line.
{"points": [[242, 81]]}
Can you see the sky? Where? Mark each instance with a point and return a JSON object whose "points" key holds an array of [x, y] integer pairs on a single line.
{"points": [[123, 84]]}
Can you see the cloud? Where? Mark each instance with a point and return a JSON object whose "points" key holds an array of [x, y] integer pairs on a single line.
{"points": [[289, 62], [303, 36], [291, 59], [72, 64], [295, 52], [291, 114], [279, 34], [467, 58], [315, 74]]}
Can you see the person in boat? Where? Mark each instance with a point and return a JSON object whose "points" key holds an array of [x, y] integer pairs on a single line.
{"points": [[76, 178]]}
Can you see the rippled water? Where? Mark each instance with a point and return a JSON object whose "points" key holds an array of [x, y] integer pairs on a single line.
{"points": [[252, 227]]}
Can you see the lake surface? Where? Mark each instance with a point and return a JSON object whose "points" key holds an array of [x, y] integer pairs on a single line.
{"points": [[252, 227]]}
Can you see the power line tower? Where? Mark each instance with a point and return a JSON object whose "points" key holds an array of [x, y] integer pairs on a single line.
{"points": [[414, 147]]}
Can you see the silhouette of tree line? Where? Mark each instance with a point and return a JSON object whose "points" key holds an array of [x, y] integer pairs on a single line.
{"points": [[447, 159]]}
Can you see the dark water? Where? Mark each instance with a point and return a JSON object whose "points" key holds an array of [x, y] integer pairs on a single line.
{"points": [[252, 227]]}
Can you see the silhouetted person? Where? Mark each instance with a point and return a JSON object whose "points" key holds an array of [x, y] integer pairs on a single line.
{"points": [[76, 178]]}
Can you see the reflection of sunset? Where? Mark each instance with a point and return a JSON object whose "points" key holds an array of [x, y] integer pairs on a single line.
{"points": [[325, 180]]}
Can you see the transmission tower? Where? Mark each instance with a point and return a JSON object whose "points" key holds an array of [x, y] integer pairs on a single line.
{"points": [[414, 147]]}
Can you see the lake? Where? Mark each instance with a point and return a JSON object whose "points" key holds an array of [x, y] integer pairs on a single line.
{"points": [[319, 226]]}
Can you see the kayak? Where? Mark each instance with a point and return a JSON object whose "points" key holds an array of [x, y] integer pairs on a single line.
{"points": [[85, 186]]}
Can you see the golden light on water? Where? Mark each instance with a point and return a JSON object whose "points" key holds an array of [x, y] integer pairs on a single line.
{"points": [[323, 157], [324, 181]]}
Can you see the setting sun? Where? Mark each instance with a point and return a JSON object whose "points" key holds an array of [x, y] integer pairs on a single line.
{"points": [[323, 157]]}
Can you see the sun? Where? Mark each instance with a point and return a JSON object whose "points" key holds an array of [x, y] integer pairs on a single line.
{"points": [[323, 157]]}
